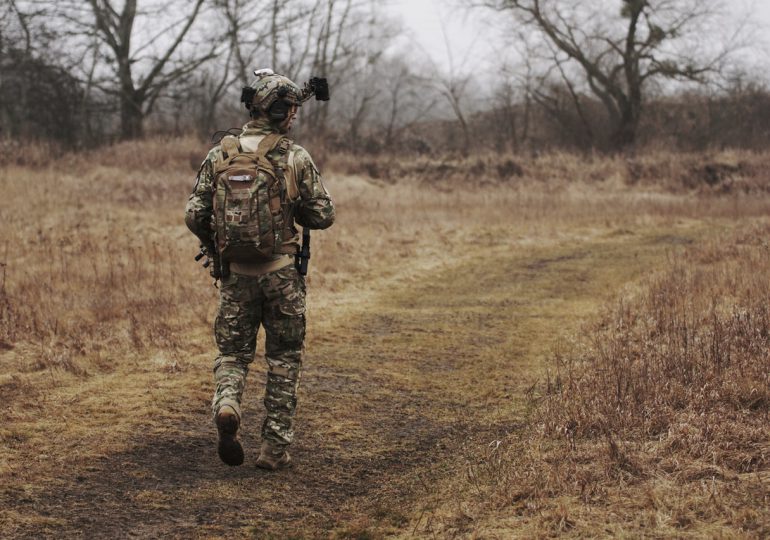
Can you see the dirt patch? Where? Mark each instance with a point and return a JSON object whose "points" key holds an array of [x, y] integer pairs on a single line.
{"points": [[170, 482]]}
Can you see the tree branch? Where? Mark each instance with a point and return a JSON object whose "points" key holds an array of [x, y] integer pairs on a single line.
{"points": [[148, 81]]}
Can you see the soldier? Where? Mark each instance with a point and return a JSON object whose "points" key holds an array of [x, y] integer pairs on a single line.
{"points": [[254, 256]]}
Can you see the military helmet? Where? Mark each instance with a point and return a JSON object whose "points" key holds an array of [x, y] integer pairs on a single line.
{"points": [[271, 94]]}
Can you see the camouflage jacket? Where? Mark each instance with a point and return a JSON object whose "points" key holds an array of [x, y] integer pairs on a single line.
{"points": [[313, 209]]}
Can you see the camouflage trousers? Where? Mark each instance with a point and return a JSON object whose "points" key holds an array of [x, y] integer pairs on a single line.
{"points": [[275, 300]]}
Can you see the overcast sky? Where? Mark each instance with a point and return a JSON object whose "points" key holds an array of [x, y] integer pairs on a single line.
{"points": [[472, 42]]}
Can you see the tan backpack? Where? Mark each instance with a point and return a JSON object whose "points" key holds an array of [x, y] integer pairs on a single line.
{"points": [[252, 201]]}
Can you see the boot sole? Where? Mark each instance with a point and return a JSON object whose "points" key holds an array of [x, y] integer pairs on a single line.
{"points": [[229, 448]]}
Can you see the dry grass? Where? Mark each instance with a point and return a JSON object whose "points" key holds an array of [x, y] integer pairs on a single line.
{"points": [[105, 320], [655, 418], [83, 277], [731, 171], [696, 340]]}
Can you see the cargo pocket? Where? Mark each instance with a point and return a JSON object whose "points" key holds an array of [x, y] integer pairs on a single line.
{"points": [[291, 332], [292, 307]]}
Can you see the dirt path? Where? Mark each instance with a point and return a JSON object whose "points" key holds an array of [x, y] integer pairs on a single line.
{"points": [[397, 391]]}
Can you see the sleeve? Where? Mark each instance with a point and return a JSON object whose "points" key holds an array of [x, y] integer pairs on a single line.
{"points": [[200, 205], [315, 209]]}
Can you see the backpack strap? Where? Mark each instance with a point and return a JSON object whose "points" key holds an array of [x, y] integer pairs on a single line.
{"points": [[283, 144], [287, 189], [292, 188], [230, 147], [267, 144]]}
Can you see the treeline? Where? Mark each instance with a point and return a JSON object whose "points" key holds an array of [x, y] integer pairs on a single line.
{"points": [[691, 121], [87, 72]]}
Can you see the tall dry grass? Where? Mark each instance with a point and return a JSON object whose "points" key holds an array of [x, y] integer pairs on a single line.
{"points": [[94, 254], [730, 171], [655, 417], [696, 341]]}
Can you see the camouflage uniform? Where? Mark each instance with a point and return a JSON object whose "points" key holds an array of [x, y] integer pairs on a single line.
{"points": [[274, 298]]}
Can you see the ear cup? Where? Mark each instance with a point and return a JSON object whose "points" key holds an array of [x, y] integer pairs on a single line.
{"points": [[279, 110]]}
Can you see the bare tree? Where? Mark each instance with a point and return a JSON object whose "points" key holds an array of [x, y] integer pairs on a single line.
{"points": [[365, 72], [343, 40], [331, 49], [15, 51], [36, 86], [141, 71], [408, 99], [454, 88], [513, 96], [560, 98], [255, 31], [454, 84], [247, 31], [299, 39], [506, 106], [620, 54]]}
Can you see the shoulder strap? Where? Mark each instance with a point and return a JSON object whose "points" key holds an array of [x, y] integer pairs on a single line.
{"points": [[292, 187], [267, 144], [283, 144], [230, 147]]}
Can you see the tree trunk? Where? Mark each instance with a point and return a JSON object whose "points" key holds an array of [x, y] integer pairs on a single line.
{"points": [[626, 129], [131, 116]]}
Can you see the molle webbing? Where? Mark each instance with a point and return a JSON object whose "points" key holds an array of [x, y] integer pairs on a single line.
{"points": [[283, 214]]}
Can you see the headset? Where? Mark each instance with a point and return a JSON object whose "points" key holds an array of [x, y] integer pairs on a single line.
{"points": [[279, 109]]}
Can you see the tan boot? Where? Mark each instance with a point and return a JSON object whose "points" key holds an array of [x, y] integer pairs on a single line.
{"points": [[273, 457], [229, 447]]}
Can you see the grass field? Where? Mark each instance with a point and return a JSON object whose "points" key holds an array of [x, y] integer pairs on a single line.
{"points": [[563, 345]]}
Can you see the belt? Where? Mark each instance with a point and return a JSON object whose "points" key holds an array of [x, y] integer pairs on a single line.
{"points": [[258, 269]]}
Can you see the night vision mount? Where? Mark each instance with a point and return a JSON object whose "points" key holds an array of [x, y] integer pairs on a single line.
{"points": [[317, 86]]}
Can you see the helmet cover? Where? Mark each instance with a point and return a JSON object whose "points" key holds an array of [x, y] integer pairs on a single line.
{"points": [[269, 87]]}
